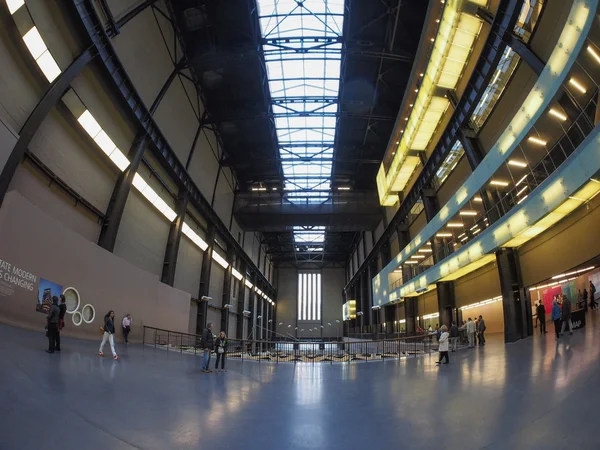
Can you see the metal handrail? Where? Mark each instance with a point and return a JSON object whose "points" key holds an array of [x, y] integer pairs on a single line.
{"points": [[296, 351]]}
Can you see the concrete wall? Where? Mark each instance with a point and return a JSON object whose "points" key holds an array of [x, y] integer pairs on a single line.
{"points": [[37, 243], [287, 301], [333, 282]]}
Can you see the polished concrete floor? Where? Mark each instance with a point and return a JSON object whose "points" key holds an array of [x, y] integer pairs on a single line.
{"points": [[533, 394]]}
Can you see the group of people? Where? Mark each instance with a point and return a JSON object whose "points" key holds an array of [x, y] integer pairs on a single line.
{"points": [[219, 346], [583, 297], [448, 339], [561, 315], [55, 322]]}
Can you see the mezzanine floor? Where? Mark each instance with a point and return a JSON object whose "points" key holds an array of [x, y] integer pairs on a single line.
{"points": [[528, 395]]}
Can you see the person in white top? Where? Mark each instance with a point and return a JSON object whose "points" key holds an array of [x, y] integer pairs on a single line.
{"points": [[126, 327], [471, 328], [443, 345]]}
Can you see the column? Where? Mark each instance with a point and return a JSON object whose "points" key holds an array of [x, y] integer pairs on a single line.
{"points": [[205, 279], [516, 303], [226, 298], [240, 303], [411, 312], [446, 302]]}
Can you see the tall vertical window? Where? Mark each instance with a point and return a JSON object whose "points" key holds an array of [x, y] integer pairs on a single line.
{"points": [[309, 296]]}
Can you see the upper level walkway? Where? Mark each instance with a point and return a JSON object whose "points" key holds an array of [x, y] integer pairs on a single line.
{"points": [[527, 395]]}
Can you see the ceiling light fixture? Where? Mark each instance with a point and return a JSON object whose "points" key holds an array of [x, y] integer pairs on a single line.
{"points": [[522, 190], [468, 213], [514, 162], [573, 82], [499, 183], [520, 201], [522, 179], [557, 114], [593, 52], [443, 235], [478, 199], [455, 225], [537, 140]]}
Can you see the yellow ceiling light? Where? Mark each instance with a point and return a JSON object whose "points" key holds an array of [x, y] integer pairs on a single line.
{"points": [[468, 213], [586, 193], [478, 199], [592, 51], [455, 225], [425, 250], [521, 180], [537, 141], [560, 116], [499, 183], [573, 82], [452, 47], [443, 235], [515, 163]]}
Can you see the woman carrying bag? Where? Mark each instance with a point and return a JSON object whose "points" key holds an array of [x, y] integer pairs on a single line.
{"points": [[221, 349]]}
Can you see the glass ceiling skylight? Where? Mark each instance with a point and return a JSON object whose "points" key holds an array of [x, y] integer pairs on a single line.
{"points": [[302, 48]]}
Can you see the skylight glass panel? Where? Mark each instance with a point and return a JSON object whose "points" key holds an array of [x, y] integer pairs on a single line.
{"points": [[303, 57]]}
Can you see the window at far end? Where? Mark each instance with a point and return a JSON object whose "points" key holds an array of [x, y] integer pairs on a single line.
{"points": [[309, 296]]}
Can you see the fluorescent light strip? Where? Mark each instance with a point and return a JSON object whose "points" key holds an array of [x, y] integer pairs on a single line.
{"points": [[248, 284], [521, 201], [522, 179], [514, 162], [575, 272], [523, 189], [425, 250], [95, 131], [191, 234], [573, 82], [141, 185], [594, 54], [557, 114], [410, 262], [14, 5], [481, 303], [478, 199], [444, 235], [455, 225], [499, 183], [418, 256], [236, 274], [468, 213], [37, 47], [536, 140], [220, 260]]}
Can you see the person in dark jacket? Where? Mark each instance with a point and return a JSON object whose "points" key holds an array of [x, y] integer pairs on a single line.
{"points": [[556, 317], [541, 315], [593, 303], [566, 315], [61, 319], [221, 347], [52, 326], [584, 299], [480, 330], [109, 334], [207, 345], [453, 336]]}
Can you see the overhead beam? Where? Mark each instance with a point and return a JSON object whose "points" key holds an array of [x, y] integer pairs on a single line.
{"points": [[49, 100]]}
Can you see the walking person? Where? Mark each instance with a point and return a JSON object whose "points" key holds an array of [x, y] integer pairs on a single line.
{"points": [[221, 346], [593, 303], [126, 324], [480, 330], [471, 328], [584, 299], [52, 326], [207, 345], [443, 345], [453, 336], [541, 315], [556, 314], [566, 315], [109, 334]]}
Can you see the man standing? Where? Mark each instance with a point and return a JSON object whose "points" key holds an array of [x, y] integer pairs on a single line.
{"points": [[453, 336], [126, 325], [207, 345], [566, 315], [541, 315], [593, 303], [61, 320], [471, 332], [481, 330], [52, 325]]}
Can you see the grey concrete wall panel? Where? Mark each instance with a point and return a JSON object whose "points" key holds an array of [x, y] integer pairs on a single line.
{"points": [[8, 139], [189, 264], [143, 234], [143, 54], [287, 300], [54, 202], [215, 288]]}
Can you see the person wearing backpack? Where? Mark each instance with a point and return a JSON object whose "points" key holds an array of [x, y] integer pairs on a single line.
{"points": [[221, 346]]}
